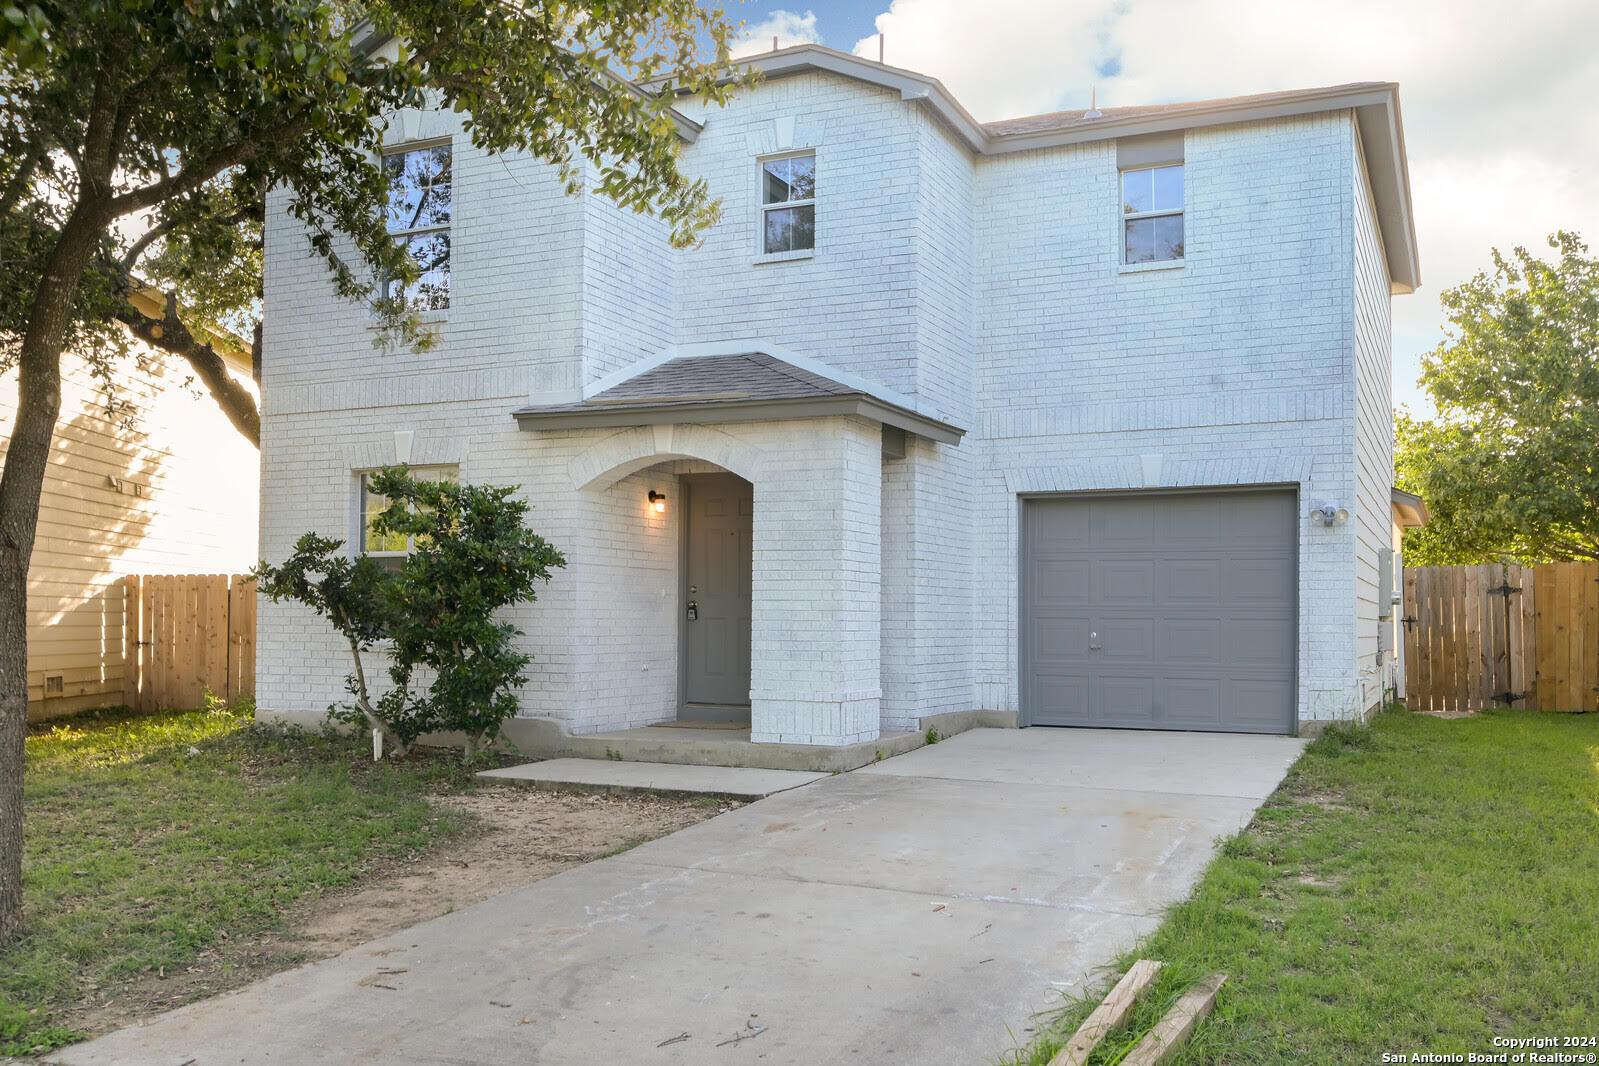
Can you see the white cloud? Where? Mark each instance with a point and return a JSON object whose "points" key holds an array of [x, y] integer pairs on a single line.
{"points": [[1498, 103], [788, 27]]}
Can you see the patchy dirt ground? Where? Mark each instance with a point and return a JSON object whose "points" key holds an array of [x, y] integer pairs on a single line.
{"points": [[523, 835]]}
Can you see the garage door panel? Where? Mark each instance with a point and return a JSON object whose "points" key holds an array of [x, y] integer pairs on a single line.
{"points": [[1261, 579], [1191, 598], [1062, 583], [1056, 640], [1192, 640], [1256, 706], [1123, 583], [1127, 701], [1254, 645], [1193, 580], [1193, 703], [1125, 640], [1064, 698], [1121, 528]]}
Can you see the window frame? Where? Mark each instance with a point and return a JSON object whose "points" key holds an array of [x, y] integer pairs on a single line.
{"points": [[1125, 216], [362, 493], [405, 236], [762, 208]]}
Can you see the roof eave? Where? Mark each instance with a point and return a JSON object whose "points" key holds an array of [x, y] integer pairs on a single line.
{"points": [[721, 412], [1411, 509]]}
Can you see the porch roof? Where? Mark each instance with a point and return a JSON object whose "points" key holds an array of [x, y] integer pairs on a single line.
{"points": [[742, 387]]}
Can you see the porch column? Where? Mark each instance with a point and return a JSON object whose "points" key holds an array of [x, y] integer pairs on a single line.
{"points": [[814, 655]]}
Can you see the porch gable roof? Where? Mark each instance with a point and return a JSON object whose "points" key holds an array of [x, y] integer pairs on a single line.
{"points": [[742, 387]]}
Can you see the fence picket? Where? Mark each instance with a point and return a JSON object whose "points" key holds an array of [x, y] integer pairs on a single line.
{"points": [[185, 634], [1470, 643]]}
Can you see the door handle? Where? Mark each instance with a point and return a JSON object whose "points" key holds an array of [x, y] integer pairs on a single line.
{"points": [[1093, 642], [693, 611]]}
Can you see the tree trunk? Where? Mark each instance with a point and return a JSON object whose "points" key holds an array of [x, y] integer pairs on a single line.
{"points": [[21, 482]]}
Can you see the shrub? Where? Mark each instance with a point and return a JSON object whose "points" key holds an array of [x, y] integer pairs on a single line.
{"points": [[473, 556]]}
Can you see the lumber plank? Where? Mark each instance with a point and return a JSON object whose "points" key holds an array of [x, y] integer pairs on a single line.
{"points": [[1407, 628], [1588, 679], [1179, 1023], [1471, 578], [1449, 630], [1529, 637], [130, 640], [1548, 651], [1115, 1008], [1427, 651]]}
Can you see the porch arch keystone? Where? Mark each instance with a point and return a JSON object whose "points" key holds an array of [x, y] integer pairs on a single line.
{"points": [[605, 463]]}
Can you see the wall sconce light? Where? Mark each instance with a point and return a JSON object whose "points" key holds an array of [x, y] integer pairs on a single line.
{"points": [[658, 501], [1329, 514]]}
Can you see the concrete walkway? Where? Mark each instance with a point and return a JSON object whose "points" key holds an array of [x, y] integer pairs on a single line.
{"points": [[915, 911]]}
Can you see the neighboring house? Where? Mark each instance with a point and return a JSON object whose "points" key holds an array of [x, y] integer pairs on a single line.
{"points": [[155, 482], [1028, 417], [1409, 512]]}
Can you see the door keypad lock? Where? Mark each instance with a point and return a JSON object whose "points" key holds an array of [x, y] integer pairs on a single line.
{"points": [[693, 611]]}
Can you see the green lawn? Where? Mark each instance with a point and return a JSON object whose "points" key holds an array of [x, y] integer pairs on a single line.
{"points": [[150, 840], [1421, 885]]}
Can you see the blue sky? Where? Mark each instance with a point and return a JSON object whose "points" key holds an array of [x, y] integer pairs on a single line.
{"points": [[1501, 113]]}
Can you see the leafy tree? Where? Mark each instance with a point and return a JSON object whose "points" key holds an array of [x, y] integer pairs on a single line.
{"points": [[349, 593], [174, 116], [1510, 467], [474, 555]]}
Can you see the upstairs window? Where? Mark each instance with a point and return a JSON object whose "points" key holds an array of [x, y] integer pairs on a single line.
{"points": [[420, 194], [391, 549], [1152, 214], [788, 203]]}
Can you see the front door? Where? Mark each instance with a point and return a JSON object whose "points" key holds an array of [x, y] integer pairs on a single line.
{"points": [[716, 614]]}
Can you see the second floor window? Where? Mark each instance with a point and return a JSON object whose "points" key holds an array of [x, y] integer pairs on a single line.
{"points": [[1152, 214], [788, 203], [420, 188]]}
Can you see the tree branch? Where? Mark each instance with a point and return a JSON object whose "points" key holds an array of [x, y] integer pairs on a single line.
{"points": [[192, 177], [171, 335]]}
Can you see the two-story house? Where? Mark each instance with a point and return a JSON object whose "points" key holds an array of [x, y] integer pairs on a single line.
{"points": [[1082, 418]]}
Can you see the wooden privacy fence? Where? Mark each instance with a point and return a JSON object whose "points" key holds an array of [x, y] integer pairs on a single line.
{"points": [[188, 634], [1502, 636]]}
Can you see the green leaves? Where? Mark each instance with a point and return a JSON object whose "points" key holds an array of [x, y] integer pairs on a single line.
{"points": [[474, 556], [1510, 468]]}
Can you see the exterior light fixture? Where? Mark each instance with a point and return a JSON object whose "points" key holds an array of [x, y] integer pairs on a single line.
{"points": [[1329, 514], [658, 501]]}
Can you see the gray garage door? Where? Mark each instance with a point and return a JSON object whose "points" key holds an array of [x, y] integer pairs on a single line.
{"points": [[1160, 611]]}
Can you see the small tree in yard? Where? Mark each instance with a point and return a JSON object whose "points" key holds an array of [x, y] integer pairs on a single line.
{"points": [[1510, 466], [474, 555]]}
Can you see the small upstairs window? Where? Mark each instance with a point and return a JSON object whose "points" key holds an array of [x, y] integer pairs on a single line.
{"points": [[420, 195], [1152, 214], [788, 203]]}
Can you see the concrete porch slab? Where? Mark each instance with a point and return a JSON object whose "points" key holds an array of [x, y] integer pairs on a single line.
{"points": [[609, 775]]}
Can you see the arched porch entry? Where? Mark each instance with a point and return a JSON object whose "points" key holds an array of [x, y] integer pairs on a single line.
{"points": [[775, 570]]}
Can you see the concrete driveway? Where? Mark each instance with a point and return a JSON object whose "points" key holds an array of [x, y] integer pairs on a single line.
{"points": [[916, 911]]}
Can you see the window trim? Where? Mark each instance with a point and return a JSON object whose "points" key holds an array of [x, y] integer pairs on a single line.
{"points": [[762, 207], [1123, 216], [422, 145]]}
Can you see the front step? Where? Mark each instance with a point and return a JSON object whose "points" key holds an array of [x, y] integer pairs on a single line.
{"points": [[683, 779]]}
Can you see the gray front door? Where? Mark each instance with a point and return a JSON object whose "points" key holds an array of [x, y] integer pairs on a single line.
{"points": [[721, 509], [1161, 611]]}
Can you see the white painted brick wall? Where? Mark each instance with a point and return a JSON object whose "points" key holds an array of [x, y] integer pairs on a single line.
{"points": [[985, 289]]}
